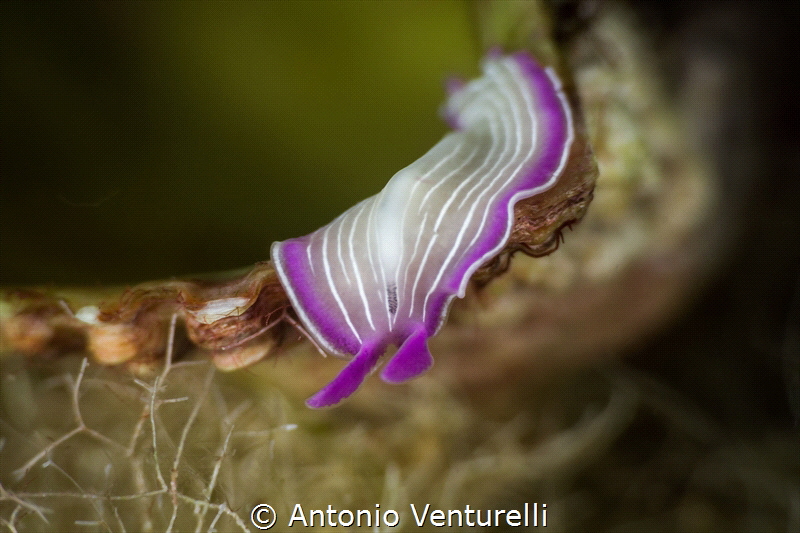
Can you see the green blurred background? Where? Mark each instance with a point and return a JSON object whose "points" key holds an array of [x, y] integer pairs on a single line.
{"points": [[143, 140]]}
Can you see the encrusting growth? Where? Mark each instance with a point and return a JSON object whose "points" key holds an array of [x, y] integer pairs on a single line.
{"points": [[517, 169]]}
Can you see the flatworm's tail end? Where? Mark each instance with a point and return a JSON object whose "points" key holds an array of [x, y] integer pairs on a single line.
{"points": [[349, 379], [412, 359], [453, 84]]}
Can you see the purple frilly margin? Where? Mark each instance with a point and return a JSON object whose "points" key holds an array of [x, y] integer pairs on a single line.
{"points": [[413, 357], [543, 175]]}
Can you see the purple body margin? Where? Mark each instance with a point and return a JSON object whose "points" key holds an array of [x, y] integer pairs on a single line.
{"points": [[386, 271]]}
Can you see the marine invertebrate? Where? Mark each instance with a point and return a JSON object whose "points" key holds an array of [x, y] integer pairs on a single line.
{"points": [[386, 271]]}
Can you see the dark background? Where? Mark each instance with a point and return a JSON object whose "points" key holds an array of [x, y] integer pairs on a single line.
{"points": [[738, 349], [143, 140]]}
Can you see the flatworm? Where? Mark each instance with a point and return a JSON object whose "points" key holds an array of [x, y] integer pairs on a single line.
{"points": [[386, 270]]}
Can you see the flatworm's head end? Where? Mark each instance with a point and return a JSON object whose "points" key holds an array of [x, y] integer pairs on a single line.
{"points": [[350, 378], [320, 401], [334, 392], [412, 359]]}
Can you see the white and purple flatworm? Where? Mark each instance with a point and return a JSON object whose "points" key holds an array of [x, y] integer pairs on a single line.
{"points": [[386, 270]]}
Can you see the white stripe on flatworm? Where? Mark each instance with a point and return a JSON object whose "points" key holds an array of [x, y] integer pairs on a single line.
{"points": [[400, 257]]}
